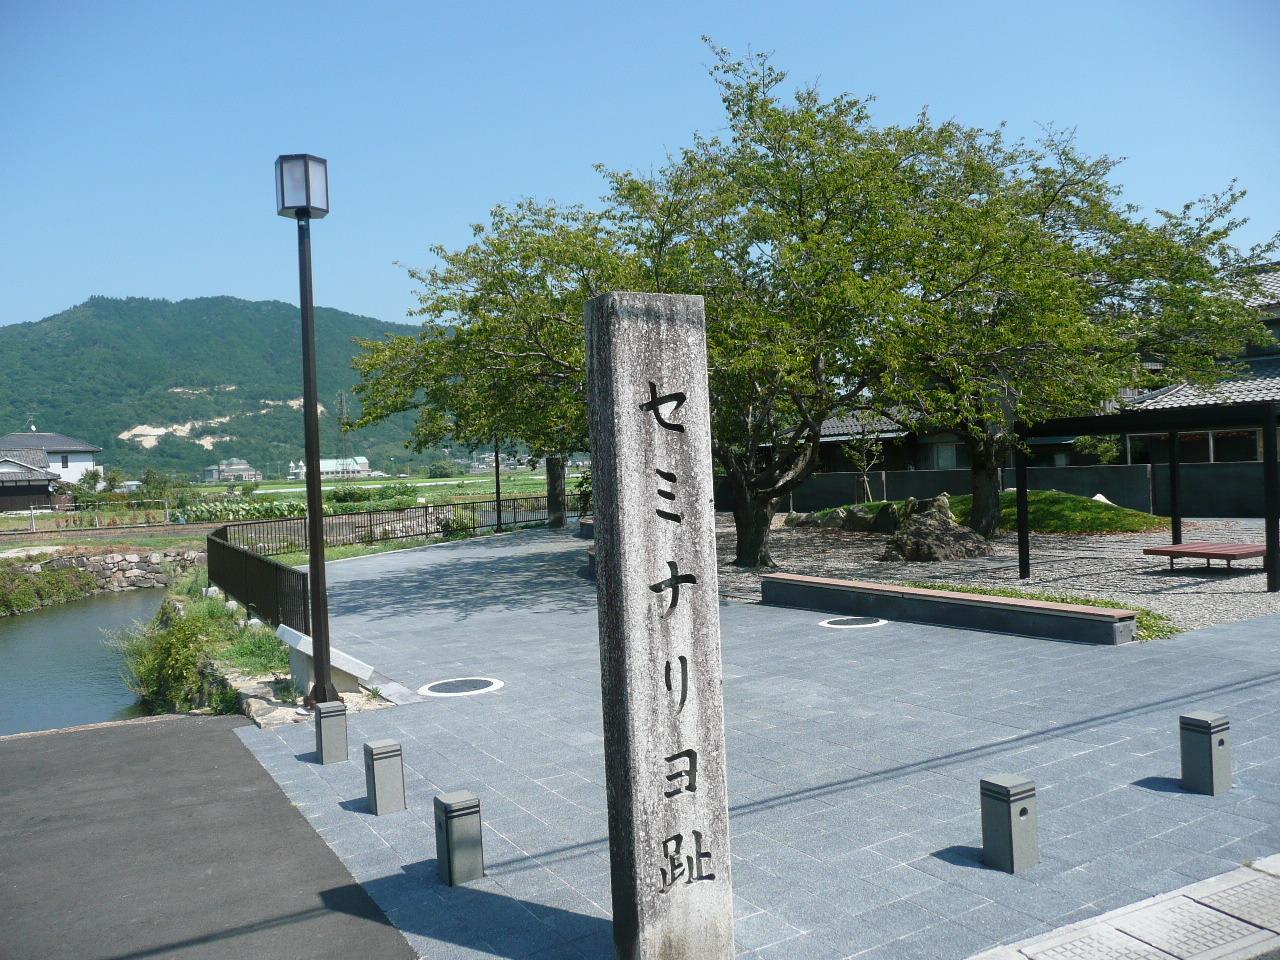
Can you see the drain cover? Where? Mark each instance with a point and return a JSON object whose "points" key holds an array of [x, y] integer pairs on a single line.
{"points": [[852, 623], [459, 687]]}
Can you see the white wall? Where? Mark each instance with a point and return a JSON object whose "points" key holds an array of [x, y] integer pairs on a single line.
{"points": [[77, 464]]}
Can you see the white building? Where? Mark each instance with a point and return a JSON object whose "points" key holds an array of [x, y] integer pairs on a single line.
{"points": [[346, 467], [69, 458]]}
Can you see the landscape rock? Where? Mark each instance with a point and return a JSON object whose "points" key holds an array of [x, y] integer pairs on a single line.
{"points": [[930, 532], [858, 520], [886, 520], [833, 520]]}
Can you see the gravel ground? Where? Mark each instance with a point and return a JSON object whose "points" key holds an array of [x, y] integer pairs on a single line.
{"points": [[1109, 567]]}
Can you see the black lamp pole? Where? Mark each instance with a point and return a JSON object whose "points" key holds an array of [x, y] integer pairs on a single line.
{"points": [[322, 691]]}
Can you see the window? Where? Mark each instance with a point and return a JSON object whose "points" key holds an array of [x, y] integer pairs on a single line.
{"points": [[66, 461], [1234, 446]]}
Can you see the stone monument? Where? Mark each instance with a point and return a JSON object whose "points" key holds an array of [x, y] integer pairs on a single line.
{"points": [[661, 673]]}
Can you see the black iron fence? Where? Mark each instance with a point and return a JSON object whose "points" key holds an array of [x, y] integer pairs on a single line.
{"points": [[275, 592], [240, 553], [270, 538]]}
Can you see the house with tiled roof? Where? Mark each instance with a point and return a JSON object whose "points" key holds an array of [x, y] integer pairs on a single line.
{"points": [[25, 480], [68, 458], [1260, 380]]}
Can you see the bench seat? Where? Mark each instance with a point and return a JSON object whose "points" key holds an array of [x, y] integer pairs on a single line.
{"points": [[1036, 618], [1208, 552]]}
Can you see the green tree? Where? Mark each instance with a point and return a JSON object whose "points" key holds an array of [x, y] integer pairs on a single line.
{"points": [[785, 225], [1035, 292], [501, 354]]}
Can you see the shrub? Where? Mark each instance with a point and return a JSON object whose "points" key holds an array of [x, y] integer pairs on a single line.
{"points": [[22, 591], [256, 651], [351, 494], [162, 662]]}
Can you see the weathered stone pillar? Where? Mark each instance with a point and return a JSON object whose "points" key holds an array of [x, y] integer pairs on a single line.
{"points": [[661, 674]]}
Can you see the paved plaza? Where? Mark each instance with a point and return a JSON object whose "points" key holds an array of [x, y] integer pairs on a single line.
{"points": [[854, 759]]}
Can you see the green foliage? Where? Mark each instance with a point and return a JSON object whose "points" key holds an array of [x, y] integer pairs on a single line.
{"points": [[170, 663], [1151, 625], [930, 271], [256, 651], [162, 661], [144, 361], [1106, 448], [22, 591], [1050, 511], [350, 494]]}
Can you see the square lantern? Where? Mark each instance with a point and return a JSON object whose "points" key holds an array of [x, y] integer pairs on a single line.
{"points": [[302, 186]]}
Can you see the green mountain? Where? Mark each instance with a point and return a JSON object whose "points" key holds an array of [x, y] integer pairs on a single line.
{"points": [[178, 386]]}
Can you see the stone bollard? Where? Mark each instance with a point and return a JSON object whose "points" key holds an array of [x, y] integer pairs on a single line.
{"points": [[1009, 841], [384, 776], [1206, 752], [331, 731], [459, 842]]}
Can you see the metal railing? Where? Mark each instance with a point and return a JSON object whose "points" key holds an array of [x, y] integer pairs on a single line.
{"points": [[275, 592], [435, 520], [240, 553]]}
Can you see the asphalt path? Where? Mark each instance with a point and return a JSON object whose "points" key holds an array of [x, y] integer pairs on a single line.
{"points": [[166, 838]]}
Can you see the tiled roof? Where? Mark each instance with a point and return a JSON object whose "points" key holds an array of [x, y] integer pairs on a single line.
{"points": [[1264, 384], [840, 428], [50, 442], [1269, 281], [30, 469]]}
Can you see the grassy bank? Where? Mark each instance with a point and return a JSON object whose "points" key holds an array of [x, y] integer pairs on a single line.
{"points": [[22, 591], [1151, 625], [175, 662], [1050, 511]]}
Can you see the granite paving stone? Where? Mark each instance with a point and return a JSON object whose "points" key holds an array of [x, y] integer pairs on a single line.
{"points": [[854, 760]]}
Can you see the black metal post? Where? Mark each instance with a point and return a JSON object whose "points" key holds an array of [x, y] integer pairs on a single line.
{"points": [[1271, 498], [322, 691], [497, 484], [1175, 489], [1024, 520]]}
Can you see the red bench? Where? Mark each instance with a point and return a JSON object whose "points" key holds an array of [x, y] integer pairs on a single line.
{"points": [[1208, 552]]}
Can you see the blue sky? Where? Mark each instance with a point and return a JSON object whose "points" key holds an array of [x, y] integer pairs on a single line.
{"points": [[138, 138]]}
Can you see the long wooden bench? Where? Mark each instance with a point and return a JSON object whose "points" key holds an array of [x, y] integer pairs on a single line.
{"points": [[1034, 618], [1208, 552]]}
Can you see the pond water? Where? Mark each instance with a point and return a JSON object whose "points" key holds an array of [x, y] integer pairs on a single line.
{"points": [[55, 671]]}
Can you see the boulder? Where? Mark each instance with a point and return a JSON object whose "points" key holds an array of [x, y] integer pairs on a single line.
{"points": [[858, 520], [930, 532], [833, 520], [886, 519]]}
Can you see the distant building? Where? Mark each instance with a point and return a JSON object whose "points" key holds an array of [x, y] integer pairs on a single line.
{"points": [[231, 471], [337, 467], [25, 480], [68, 458]]}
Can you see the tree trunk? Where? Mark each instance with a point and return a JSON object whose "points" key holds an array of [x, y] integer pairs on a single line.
{"points": [[984, 518], [751, 521], [555, 492]]}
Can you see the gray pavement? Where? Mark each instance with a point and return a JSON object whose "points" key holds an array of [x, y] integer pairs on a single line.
{"points": [[854, 762], [165, 839]]}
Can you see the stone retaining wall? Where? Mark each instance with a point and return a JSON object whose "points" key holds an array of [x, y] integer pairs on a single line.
{"points": [[127, 571]]}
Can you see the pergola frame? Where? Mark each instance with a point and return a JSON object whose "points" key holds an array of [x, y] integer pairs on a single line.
{"points": [[1172, 421]]}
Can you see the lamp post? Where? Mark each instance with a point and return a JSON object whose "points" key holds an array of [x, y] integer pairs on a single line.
{"points": [[302, 194]]}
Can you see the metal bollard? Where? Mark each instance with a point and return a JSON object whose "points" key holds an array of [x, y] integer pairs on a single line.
{"points": [[459, 842], [331, 731], [1009, 840], [384, 776], [1206, 752]]}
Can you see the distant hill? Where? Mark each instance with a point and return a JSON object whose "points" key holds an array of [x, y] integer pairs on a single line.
{"points": [[178, 386]]}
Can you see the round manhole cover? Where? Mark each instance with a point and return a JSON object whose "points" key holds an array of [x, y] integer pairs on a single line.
{"points": [[852, 623], [459, 687]]}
